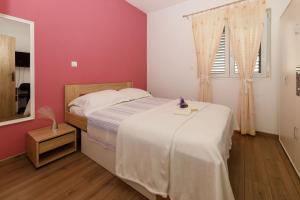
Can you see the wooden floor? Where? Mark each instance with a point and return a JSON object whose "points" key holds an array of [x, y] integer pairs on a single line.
{"points": [[258, 167]]}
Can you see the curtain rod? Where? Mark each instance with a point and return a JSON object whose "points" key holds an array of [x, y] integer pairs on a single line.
{"points": [[202, 11]]}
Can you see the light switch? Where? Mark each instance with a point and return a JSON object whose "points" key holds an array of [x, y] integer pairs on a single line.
{"points": [[74, 64]]}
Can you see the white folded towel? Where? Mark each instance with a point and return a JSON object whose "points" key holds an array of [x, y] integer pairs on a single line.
{"points": [[185, 111]]}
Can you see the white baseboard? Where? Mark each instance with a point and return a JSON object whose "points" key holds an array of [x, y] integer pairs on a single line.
{"points": [[286, 152], [19, 154]]}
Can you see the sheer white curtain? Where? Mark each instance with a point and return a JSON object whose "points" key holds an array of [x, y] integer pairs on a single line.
{"points": [[246, 24], [207, 28]]}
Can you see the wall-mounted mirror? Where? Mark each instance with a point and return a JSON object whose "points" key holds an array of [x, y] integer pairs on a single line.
{"points": [[16, 70], [297, 57]]}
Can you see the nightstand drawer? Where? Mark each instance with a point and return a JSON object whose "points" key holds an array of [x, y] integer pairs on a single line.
{"points": [[56, 142]]}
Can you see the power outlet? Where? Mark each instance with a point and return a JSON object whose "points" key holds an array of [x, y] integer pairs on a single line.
{"points": [[74, 64]]}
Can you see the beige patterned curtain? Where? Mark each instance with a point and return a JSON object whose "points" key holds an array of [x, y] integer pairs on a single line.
{"points": [[246, 24], [207, 29]]}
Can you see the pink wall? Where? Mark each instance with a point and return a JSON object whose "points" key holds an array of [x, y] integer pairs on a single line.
{"points": [[106, 37]]}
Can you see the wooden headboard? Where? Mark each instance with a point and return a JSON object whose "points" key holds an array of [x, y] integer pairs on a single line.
{"points": [[74, 91]]}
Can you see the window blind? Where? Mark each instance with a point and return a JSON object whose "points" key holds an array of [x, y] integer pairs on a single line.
{"points": [[257, 68], [298, 68], [219, 66]]}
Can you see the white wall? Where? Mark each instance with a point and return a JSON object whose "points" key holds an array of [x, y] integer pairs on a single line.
{"points": [[22, 75], [20, 31], [172, 62]]}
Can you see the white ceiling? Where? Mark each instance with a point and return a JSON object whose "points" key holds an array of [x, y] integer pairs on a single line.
{"points": [[153, 5]]}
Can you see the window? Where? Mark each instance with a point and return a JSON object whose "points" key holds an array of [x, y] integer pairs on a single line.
{"points": [[298, 68], [225, 65], [257, 68]]}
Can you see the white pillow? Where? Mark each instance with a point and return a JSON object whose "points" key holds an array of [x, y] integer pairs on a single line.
{"points": [[134, 93], [98, 100]]}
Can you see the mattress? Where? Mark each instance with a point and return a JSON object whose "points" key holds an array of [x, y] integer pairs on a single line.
{"points": [[103, 124]]}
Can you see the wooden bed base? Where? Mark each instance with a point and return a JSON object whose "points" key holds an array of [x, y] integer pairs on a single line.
{"points": [[74, 91]]}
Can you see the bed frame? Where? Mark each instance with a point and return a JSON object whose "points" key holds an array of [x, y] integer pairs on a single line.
{"points": [[96, 152]]}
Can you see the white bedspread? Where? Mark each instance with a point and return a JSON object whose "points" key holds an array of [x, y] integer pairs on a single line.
{"points": [[180, 156]]}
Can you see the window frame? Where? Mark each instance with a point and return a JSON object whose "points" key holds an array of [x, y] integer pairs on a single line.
{"points": [[265, 53]]}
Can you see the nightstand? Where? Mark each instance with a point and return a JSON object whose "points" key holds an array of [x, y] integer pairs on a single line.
{"points": [[45, 145]]}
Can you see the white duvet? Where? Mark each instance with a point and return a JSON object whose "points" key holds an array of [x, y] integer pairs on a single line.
{"points": [[181, 156]]}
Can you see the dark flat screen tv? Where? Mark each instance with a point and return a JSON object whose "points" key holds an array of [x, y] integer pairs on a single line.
{"points": [[22, 59]]}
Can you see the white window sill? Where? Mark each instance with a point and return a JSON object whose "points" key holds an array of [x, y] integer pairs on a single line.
{"points": [[255, 76]]}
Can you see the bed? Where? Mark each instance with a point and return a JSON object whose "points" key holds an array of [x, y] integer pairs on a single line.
{"points": [[178, 163]]}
